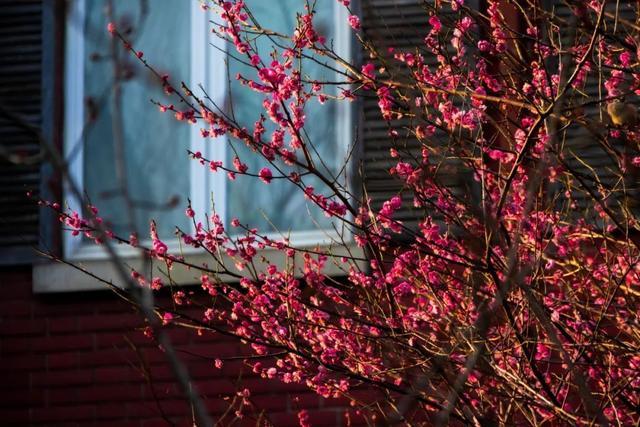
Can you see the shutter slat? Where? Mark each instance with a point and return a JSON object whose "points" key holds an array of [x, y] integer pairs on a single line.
{"points": [[20, 91]]}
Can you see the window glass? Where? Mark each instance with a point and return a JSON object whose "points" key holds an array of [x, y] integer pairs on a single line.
{"points": [[155, 146], [280, 206]]}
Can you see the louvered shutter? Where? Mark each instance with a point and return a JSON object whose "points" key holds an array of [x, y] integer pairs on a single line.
{"points": [[21, 92], [595, 164], [403, 25]]}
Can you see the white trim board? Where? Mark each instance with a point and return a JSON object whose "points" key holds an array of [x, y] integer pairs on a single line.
{"points": [[59, 277]]}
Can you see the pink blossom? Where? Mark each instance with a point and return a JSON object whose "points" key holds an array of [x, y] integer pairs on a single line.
{"points": [[354, 22], [239, 165], [368, 70], [265, 175], [271, 373], [435, 23], [167, 318], [303, 418], [484, 46]]}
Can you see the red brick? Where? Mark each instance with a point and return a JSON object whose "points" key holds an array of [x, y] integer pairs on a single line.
{"points": [[22, 327], [70, 306], [218, 388], [157, 422], [145, 409], [15, 309], [215, 339], [15, 345], [165, 373], [212, 351], [65, 396], [253, 418], [153, 356], [181, 336], [205, 369], [109, 303], [17, 417], [316, 418], [110, 411], [26, 362], [58, 325], [137, 337], [28, 398], [360, 395], [111, 322], [161, 373], [259, 385], [343, 401], [12, 274], [62, 360], [175, 407], [61, 378], [149, 409], [62, 413], [162, 391], [115, 374], [120, 423], [271, 402], [216, 407], [16, 289], [62, 343], [120, 339], [308, 400], [16, 380], [108, 357], [110, 393]]}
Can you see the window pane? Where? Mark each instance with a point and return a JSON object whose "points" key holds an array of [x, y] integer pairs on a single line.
{"points": [[155, 145], [280, 205]]}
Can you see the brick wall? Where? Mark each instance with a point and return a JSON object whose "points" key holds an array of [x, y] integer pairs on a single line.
{"points": [[82, 359]]}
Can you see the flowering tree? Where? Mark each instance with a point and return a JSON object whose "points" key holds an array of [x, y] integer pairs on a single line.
{"points": [[514, 298]]}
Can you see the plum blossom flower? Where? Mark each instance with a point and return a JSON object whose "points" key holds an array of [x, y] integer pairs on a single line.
{"points": [[484, 46], [354, 22], [435, 23], [265, 175], [167, 318]]}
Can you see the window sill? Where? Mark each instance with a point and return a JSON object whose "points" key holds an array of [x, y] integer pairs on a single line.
{"points": [[58, 277]]}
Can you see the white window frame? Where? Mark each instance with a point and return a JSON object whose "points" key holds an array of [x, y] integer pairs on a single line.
{"points": [[203, 68], [206, 68]]}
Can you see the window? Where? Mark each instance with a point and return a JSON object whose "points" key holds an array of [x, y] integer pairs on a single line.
{"points": [[150, 163], [175, 39]]}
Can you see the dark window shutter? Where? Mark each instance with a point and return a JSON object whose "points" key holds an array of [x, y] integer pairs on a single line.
{"points": [[386, 23], [594, 163], [403, 25], [27, 87]]}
